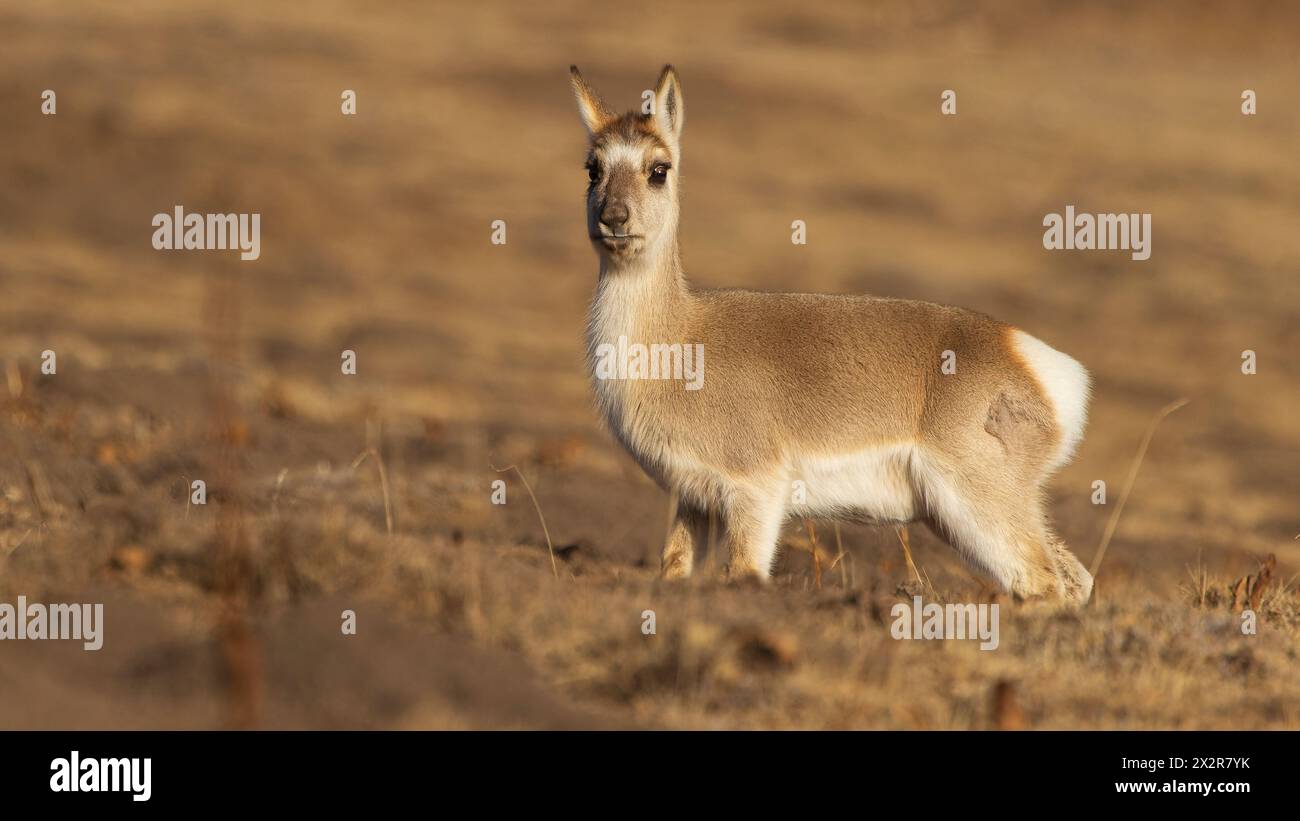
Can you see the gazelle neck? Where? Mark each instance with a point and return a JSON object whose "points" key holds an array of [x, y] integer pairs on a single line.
{"points": [[644, 299]]}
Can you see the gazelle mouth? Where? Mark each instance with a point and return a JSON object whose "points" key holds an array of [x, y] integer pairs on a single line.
{"points": [[614, 244]]}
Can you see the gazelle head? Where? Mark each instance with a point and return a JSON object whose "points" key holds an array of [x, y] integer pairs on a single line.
{"points": [[632, 165]]}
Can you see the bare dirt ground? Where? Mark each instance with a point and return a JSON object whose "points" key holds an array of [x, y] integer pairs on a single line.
{"points": [[375, 238]]}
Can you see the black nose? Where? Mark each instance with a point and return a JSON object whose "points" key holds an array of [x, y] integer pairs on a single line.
{"points": [[614, 216]]}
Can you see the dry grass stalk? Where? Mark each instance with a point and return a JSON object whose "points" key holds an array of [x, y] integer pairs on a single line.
{"points": [[816, 556], [38, 489], [279, 485], [907, 553], [550, 548], [236, 640], [839, 556], [9, 551], [383, 483], [1128, 483], [810, 546]]}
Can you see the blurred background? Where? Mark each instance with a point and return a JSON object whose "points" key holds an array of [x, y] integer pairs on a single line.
{"points": [[371, 492]]}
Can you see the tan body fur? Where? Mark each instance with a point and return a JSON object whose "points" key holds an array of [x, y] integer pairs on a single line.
{"points": [[819, 405]]}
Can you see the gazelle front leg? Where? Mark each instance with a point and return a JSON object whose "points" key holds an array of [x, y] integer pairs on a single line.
{"points": [[753, 517], [687, 539]]}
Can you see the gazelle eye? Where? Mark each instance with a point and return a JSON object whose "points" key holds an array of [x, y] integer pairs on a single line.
{"points": [[593, 171], [659, 174]]}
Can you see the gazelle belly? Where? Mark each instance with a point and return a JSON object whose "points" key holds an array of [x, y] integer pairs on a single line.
{"points": [[873, 484]]}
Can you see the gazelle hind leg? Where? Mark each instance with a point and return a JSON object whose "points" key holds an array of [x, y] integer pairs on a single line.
{"points": [[994, 528], [1075, 577]]}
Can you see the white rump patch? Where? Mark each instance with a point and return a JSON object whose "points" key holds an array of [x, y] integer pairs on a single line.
{"points": [[1067, 386]]}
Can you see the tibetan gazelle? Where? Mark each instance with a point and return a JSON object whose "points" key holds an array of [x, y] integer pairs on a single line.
{"points": [[853, 407]]}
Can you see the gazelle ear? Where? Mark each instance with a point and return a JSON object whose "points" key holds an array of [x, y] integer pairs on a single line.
{"points": [[669, 111], [590, 107]]}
